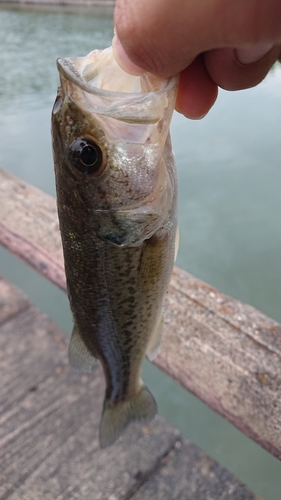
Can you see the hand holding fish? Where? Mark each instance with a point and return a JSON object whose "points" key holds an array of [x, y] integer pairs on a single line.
{"points": [[212, 44]]}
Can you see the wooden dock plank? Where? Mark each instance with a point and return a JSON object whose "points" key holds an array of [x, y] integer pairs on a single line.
{"points": [[189, 474], [49, 417], [12, 301], [225, 352]]}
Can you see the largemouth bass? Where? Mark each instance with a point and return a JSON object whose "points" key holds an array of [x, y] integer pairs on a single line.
{"points": [[117, 203]]}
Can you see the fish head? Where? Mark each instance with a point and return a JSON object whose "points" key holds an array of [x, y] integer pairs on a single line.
{"points": [[110, 131]]}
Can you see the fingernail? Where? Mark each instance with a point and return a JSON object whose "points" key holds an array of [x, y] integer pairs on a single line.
{"points": [[122, 58], [253, 53]]}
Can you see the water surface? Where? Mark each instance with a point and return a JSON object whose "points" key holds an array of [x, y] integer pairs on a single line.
{"points": [[230, 204]]}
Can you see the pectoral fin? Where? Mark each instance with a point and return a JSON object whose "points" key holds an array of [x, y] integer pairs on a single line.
{"points": [[79, 356], [155, 340]]}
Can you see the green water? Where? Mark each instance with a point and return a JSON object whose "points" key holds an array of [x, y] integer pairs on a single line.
{"points": [[230, 204]]}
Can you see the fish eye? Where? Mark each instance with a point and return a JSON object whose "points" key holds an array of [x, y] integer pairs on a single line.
{"points": [[86, 156]]}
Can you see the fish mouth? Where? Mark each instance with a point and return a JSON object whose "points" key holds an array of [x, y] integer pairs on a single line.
{"points": [[112, 91]]}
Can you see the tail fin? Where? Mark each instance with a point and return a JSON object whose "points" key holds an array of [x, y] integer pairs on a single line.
{"points": [[116, 417]]}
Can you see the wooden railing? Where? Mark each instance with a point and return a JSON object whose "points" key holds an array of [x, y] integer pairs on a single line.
{"points": [[225, 352]]}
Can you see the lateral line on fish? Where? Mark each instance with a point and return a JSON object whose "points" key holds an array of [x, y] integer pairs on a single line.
{"points": [[108, 299]]}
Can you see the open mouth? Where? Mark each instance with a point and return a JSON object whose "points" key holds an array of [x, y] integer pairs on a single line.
{"points": [[112, 91]]}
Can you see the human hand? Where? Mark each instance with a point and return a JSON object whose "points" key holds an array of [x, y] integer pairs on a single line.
{"points": [[230, 44]]}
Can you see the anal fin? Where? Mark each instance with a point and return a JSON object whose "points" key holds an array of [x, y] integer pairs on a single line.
{"points": [[154, 344], [79, 356]]}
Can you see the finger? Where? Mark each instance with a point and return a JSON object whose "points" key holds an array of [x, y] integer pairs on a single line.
{"points": [[154, 35], [164, 37], [197, 92], [123, 60], [229, 73]]}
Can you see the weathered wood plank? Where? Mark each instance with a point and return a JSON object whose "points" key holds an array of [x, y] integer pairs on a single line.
{"points": [[29, 227], [227, 353], [49, 418], [12, 301], [189, 474]]}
